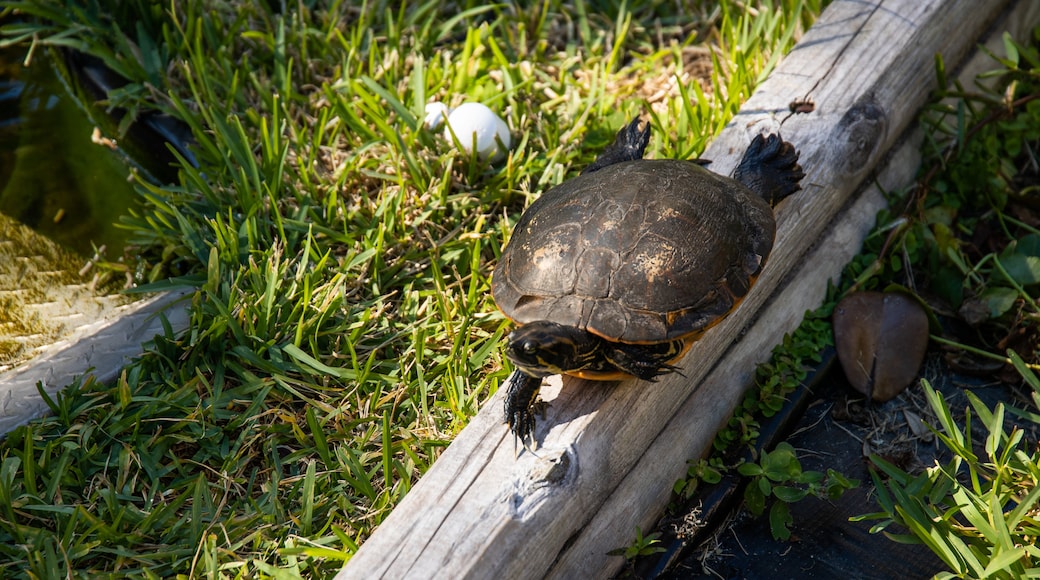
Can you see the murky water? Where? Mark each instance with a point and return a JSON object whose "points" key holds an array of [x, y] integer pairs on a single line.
{"points": [[53, 177]]}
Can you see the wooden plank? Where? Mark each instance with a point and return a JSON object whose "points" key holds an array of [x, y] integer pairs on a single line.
{"points": [[101, 348], [481, 512]]}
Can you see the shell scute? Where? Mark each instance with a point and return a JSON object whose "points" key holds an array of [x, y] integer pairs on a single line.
{"points": [[640, 251]]}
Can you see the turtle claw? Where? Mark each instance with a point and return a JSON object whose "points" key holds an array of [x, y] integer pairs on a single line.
{"points": [[521, 406], [770, 167], [664, 370]]}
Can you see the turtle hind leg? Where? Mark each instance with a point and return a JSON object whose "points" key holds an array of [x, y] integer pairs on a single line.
{"points": [[770, 168], [629, 145], [521, 405], [647, 361]]}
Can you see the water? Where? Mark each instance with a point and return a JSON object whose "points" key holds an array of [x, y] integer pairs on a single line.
{"points": [[53, 177]]}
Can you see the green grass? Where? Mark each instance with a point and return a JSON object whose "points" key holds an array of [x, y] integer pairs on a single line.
{"points": [[342, 330]]}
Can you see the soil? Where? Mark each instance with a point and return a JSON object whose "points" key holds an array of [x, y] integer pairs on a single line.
{"points": [[838, 430]]}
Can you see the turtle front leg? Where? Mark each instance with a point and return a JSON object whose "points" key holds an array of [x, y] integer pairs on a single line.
{"points": [[521, 400], [646, 361]]}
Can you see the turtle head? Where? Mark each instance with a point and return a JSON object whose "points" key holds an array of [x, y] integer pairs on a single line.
{"points": [[544, 348]]}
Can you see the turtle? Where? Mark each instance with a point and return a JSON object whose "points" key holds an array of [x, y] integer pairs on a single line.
{"points": [[616, 272]]}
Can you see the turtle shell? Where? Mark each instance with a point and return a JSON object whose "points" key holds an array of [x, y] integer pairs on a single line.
{"points": [[637, 252]]}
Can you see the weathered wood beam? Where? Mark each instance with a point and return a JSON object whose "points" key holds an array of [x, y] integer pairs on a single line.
{"points": [[101, 347], [609, 454]]}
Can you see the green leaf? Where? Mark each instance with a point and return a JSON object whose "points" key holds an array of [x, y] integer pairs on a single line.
{"points": [[750, 469], [971, 508], [840, 479], [305, 359], [709, 474], [940, 70], [780, 520], [213, 270], [781, 464], [754, 499], [1004, 562], [1010, 48], [1027, 245], [1025, 506], [953, 435], [1027, 373], [680, 485], [951, 549], [996, 431], [998, 299], [897, 475], [1023, 269], [810, 477], [789, 494], [764, 486]]}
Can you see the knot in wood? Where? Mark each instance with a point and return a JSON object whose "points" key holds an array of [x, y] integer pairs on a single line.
{"points": [[859, 134], [552, 470], [537, 478]]}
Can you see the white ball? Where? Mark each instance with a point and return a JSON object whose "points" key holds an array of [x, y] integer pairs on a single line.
{"points": [[475, 122], [435, 114]]}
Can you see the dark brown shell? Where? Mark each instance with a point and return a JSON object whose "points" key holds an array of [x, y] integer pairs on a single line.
{"points": [[639, 252]]}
